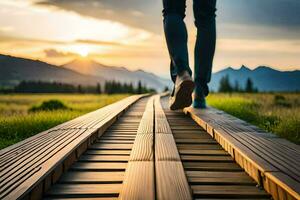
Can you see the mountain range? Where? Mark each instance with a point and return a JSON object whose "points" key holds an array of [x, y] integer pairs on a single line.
{"points": [[79, 71], [264, 78], [121, 74], [88, 72]]}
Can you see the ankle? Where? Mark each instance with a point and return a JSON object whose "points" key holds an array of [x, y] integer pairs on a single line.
{"points": [[184, 73], [198, 96]]}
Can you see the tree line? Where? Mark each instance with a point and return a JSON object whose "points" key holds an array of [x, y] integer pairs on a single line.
{"points": [[226, 86], [109, 87]]}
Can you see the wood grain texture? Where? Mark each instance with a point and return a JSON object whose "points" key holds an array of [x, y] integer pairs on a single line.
{"points": [[171, 182], [139, 181], [92, 177], [143, 148], [84, 190], [225, 191], [281, 183], [99, 166], [139, 177], [256, 151], [165, 148], [29, 162]]}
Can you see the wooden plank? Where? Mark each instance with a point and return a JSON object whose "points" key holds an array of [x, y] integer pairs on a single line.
{"points": [[228, 191], [199, 147], [143, 148], [111, 146], [92, 177], [203, 152], [171, 182], [107, 152], [99, 166], [211, 166], [207, 165], [84, 190], [258, 152], [196, 158], [195, 141], [117, 138], [83, 198], [104, 158], [139, 176], [282, 182], [221, 174], [15, 175], [167, 161], [165, 148], [111, 141], [37, 171], [139, 181], [221, 181]]}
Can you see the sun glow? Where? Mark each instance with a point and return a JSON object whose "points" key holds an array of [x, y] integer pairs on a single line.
{"points": [[83, 51]]}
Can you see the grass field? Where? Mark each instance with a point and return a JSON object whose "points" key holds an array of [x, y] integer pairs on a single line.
{"points": [[17, 123], [276, 113]]}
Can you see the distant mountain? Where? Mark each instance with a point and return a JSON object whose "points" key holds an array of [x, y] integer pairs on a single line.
{"points": [[87, 72], [13, 70], [264, 78], [89, 67], [80, 71]]}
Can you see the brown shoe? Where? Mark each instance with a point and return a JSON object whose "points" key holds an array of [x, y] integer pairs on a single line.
{"points": [[182, 93]]}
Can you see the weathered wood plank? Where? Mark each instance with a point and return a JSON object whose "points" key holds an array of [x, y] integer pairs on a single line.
{"points": [[107, 152], [139, 177], [84, 190], [111, 146], [60, 147], [171, 182], [258, 152], [104, 158], [211, 166], [165, 148], [92, 177], [99, 166], [167, 161], [143, 148], [228, 191], [139, 181]]}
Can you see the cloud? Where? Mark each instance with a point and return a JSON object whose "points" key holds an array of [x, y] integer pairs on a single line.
{"points": [[142, 14], [280, 13], [98, 42], [53, 53], [274, 16], [6, 29]]}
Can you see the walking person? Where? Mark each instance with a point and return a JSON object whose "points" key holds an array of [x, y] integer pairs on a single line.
{"points": [[176, 38]]}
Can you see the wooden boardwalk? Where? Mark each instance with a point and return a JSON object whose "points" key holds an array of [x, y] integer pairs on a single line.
{"points": [[138, 149]]}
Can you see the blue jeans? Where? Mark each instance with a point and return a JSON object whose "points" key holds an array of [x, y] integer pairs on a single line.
{"points": [[176, 37]]}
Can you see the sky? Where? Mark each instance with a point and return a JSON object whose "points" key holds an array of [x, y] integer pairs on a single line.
{"points": [[129, 32]]}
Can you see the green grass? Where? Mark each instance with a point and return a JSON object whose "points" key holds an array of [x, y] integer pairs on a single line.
{"points": [[276, 113], [17, 123]]}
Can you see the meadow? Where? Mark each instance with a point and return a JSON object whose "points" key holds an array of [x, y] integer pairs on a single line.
{"points": [[278, 113], [18, 122]]}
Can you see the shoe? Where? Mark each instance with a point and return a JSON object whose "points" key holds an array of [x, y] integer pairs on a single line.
{"points": [[182, 92], [199, 103]]}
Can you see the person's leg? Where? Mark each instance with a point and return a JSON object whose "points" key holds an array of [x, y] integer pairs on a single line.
{"points": [[204, 12], [176, 36]]}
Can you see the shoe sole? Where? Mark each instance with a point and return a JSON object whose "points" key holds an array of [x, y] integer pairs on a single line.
{"points": [[183, 97]]}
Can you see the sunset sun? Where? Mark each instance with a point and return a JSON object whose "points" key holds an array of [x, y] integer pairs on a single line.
{"points": [[82, 51]]}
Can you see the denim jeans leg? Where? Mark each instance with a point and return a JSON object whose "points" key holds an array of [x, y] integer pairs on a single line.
{"points": [[176, 36], [204, 12]]}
